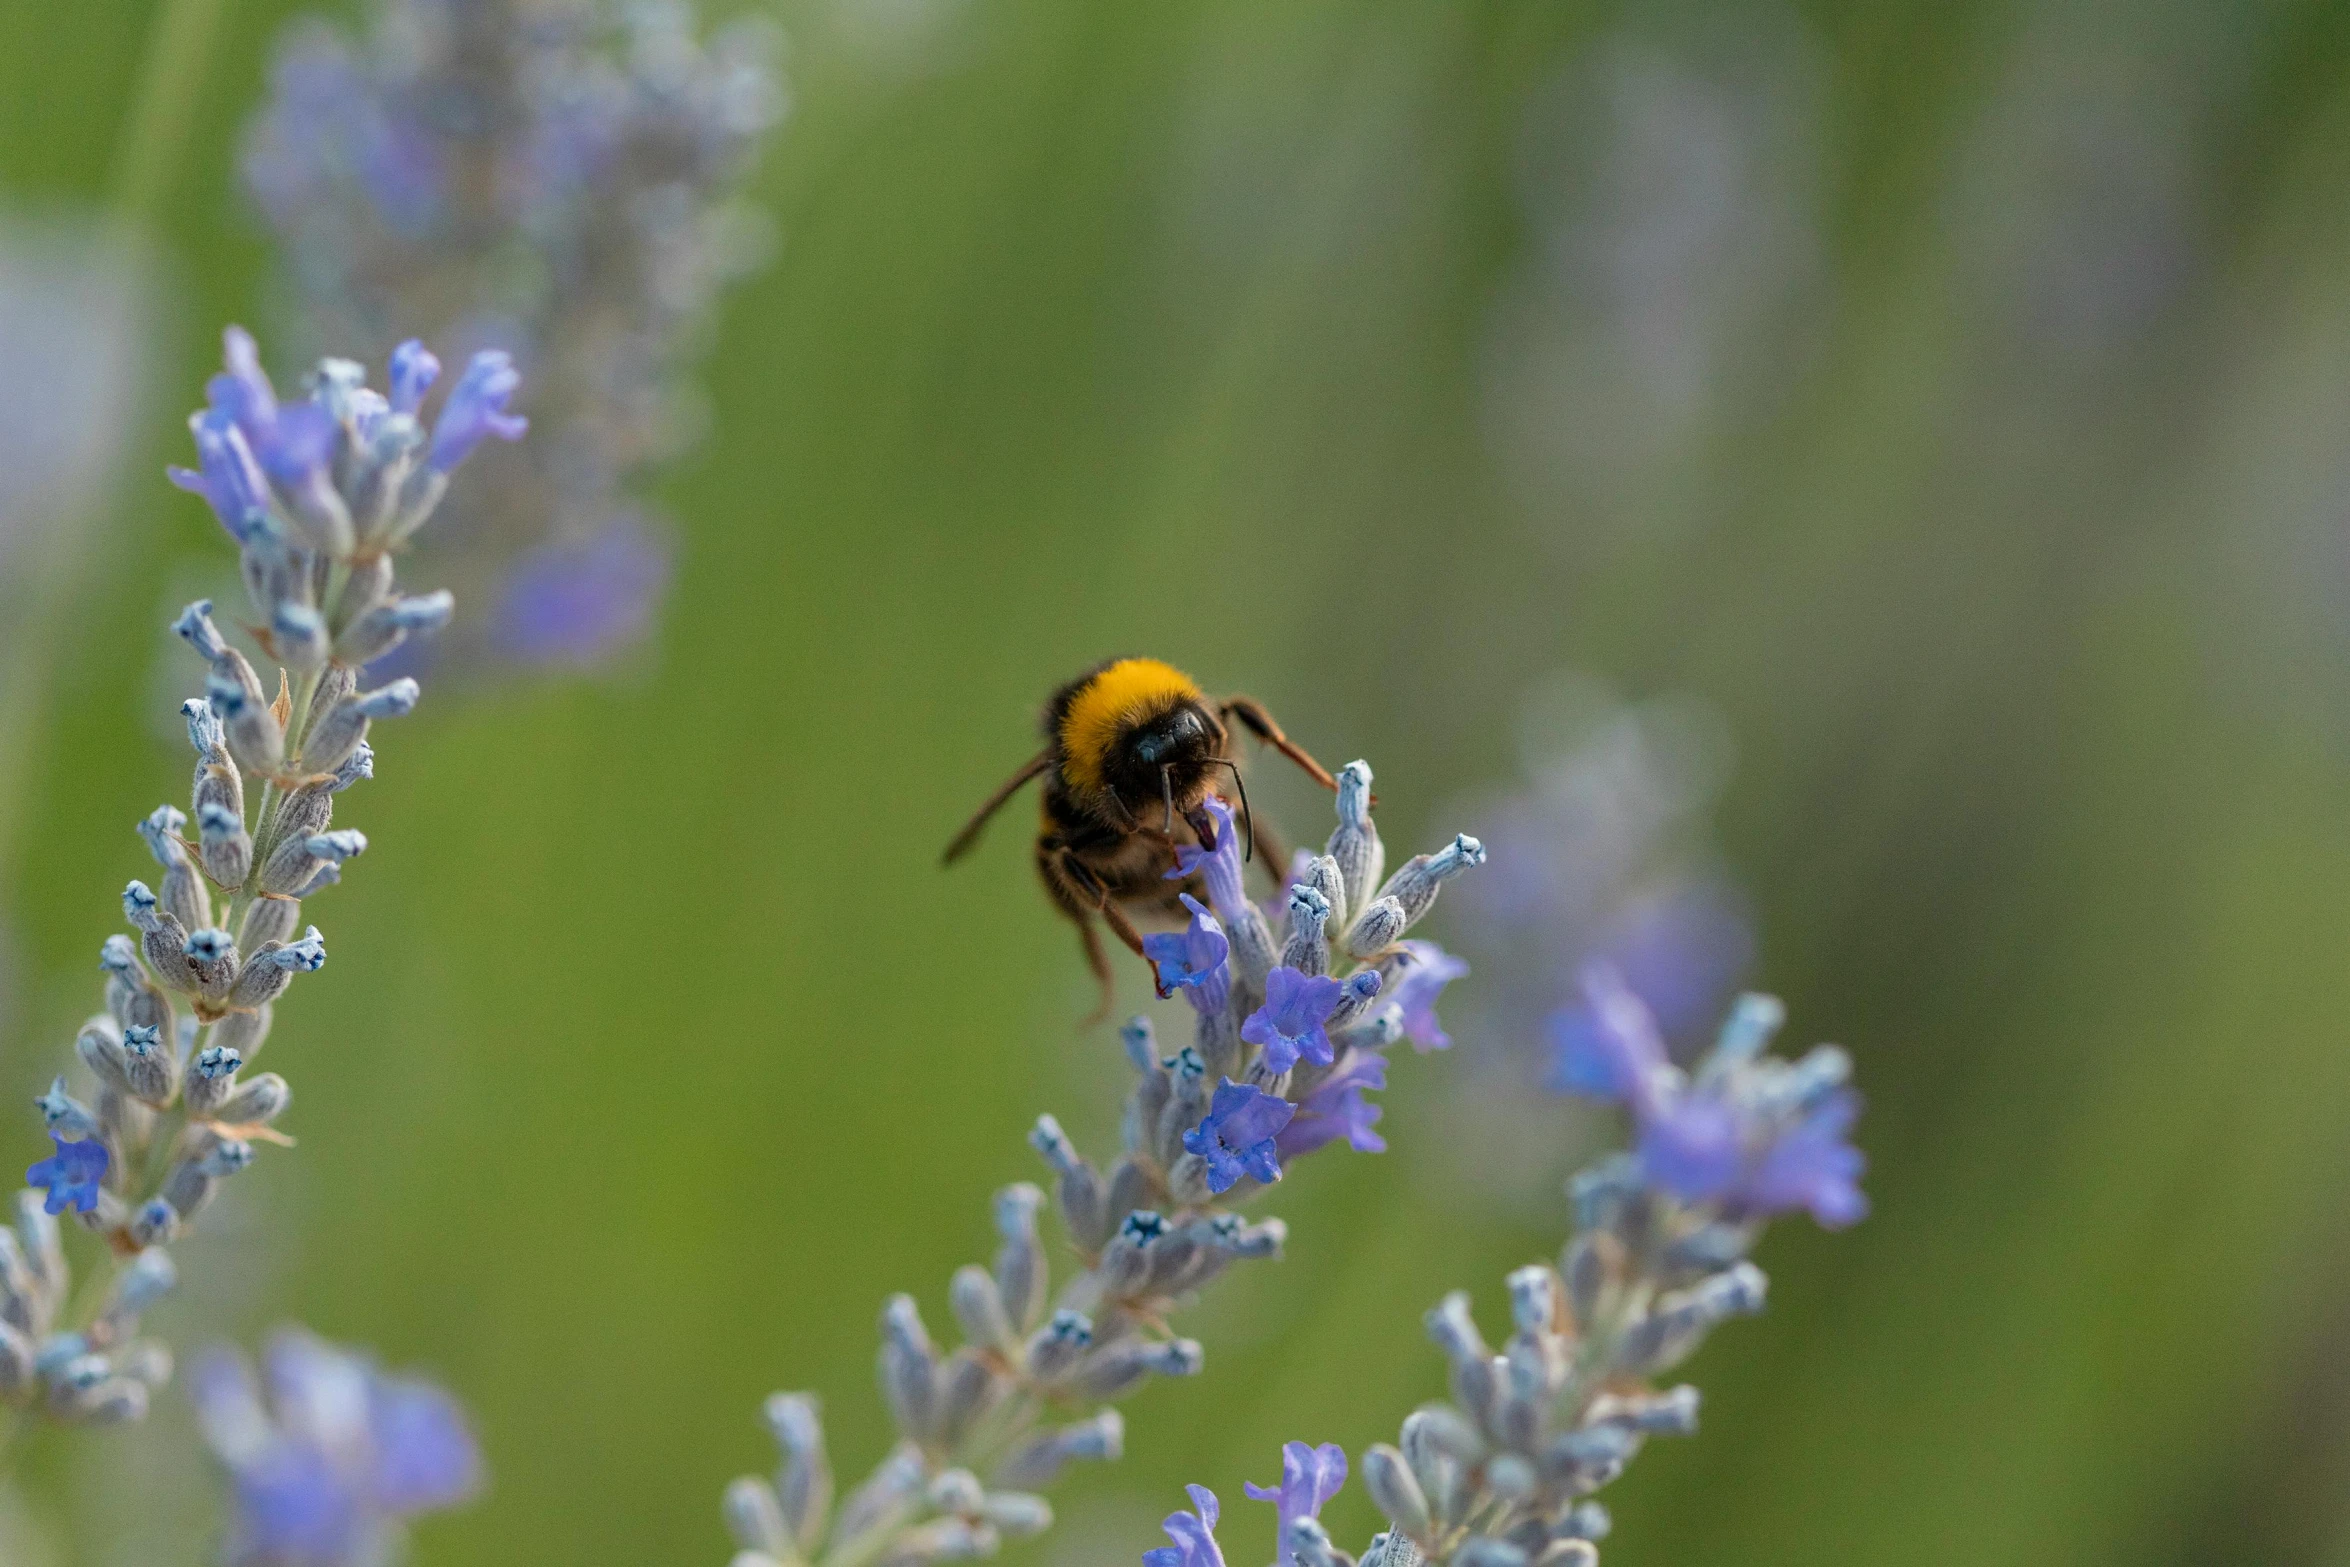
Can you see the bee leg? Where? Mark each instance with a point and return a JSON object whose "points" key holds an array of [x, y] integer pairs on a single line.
{"points": [[1079, 883], [1258, 722]]}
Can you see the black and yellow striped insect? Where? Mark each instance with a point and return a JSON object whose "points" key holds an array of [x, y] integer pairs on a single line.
{"points": [[1132, 751]]}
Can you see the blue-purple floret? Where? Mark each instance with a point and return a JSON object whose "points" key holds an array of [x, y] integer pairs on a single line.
{"points": [[1288, 1026], [1731, 1136], [1219, 868], [70, 1175], [476, 409], [1237, 1136], [338, 1455], [1421, 975], [576, 602], [1310, 1476], [1194, 959], [1336, 1108], [1194, 1534]]}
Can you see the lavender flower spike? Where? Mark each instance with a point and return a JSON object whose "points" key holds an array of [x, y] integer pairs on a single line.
{"points": [[300, 483], [1208, 1126]]}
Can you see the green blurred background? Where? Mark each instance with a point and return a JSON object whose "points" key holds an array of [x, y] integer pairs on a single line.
{"points": [[1984, 471]]}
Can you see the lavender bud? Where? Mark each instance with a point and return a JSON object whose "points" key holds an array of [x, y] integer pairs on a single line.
{"points": [[1122, 1367], [979, 1308], [212, 960], [755, 1517], [150, 1066], [1039, 1460], [967, 1389], [1361, 990], [100, 1045], [1080, 1188], [195, 627], [163, 938], [1415, 885], [389, 624], [1379, 927], [805, 1485], [1752, 1023], [65, 1115], [1141, 1043], [229, 1156], [1307, 950], [1395, 1492], [204, 731], [1455, 1330], [297, 634], [909, 1369], [1021, 1272], [227, 847], [1568, 1553], [242, 1033], [212, 1077], [256, 739], [1323, 875], [274, 966], [339, 733], [1056, 1346], [1309, 1543], [256, 1102], [156, 1224], [359, 764], [1355, 845]]}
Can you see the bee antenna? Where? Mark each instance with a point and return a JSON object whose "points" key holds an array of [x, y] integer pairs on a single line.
{"points": [[1247, 818]]}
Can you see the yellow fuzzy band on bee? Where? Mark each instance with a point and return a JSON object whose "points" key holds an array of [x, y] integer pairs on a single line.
{"points": [[1131, 691]]}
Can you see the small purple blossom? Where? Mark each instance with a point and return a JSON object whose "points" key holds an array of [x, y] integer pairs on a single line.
{"points": [[1426, 969], [1194, 1534], [1219, 867], [326, 1468], [1310, 1476], [577, 603], [1236, 1136], [476, 409], [71, 1175], [1336, 1108], [1289, 1024], [1194, 958], [414, 368], [1812, 1166], [227, 476], [1749, 1134]]}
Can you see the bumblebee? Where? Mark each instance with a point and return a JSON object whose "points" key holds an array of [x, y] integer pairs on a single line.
{"points": [[1132, 750]]}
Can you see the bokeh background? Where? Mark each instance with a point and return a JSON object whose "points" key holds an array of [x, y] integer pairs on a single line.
{"points": [[1906, 440]]}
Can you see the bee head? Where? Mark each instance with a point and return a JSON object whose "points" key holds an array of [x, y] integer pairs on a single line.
{"points": [[1167, 754]]}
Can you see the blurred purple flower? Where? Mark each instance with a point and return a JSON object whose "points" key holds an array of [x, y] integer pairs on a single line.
{"points": [[1426, 969], [1236, 1136], [1749, 1138], [476, 409], [580, 603], [1336, 1108], [337, 1456], [1194, 1534], [71, 1175], [1289, 1024], [1310, 1476]]}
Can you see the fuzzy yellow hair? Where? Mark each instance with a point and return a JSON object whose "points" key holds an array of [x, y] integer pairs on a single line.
{"points": [[1131, 691]]}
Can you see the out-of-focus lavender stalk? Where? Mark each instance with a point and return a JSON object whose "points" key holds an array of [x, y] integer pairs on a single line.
{"points": [[1292, 1020], [1502, 1475], [318, 494], [557, 179]]}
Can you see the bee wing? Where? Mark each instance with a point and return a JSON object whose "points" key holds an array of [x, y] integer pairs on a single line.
{"points": [[995, 802]]}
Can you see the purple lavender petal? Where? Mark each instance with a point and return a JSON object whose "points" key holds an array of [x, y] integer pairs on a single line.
{"points": [[578, 604]]}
